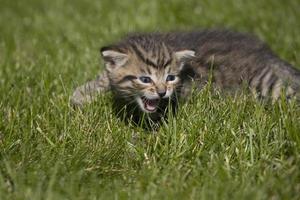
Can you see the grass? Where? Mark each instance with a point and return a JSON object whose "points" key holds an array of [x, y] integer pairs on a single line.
{"points": [[216, 148]]}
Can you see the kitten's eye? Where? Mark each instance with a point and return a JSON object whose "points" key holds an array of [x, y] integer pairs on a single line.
{"points": [[145, 79], [170, 78]]}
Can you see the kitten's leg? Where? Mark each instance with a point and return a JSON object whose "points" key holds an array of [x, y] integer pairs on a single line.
{"points": [[86, 93]]}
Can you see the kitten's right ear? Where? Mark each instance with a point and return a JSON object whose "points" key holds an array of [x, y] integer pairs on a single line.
{"points": [[113, 58]]}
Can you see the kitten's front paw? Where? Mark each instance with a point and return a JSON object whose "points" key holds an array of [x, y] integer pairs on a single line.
{"points": [[79, 98]]}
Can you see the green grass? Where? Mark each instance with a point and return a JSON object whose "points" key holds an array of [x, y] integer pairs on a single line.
{"points": [[216, 148]]}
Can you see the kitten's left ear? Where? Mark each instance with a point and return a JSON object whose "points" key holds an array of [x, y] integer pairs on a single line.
{"points": [[183, 56], [113, 58]]}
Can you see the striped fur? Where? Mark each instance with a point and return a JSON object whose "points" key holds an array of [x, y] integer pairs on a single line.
{"points": [[231, 58]]}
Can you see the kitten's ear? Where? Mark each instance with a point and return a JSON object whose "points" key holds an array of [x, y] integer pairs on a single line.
{"points": [[113, 58], [183, 56]]}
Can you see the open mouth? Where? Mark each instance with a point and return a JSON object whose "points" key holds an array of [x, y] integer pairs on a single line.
{"points": [[150, 105]]}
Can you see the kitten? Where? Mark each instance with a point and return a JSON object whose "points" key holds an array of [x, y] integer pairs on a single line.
{"points": [[148, 72]]}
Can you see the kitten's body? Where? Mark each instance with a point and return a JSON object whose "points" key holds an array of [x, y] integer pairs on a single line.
{"points": [[232, 60]]}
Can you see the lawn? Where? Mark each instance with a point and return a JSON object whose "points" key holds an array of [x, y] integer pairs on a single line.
{"points": [[217, 147]]}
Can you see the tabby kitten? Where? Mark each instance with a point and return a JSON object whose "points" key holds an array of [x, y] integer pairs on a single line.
{"points": [[148, 72]]}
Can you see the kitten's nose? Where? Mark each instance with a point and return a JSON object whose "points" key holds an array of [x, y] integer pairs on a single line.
{"points": [[161, 94]]}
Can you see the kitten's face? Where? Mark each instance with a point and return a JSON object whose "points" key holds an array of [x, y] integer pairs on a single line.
{"points": [[146, 79], [155, 87]]}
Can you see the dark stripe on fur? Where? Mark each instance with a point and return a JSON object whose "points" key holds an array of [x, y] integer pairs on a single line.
{"points": [[140, 55], [260, 86], [127, 78]]}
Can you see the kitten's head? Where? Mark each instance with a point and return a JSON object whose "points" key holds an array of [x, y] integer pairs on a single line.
{"points": [[144, 71]]}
